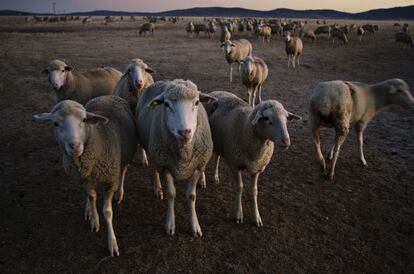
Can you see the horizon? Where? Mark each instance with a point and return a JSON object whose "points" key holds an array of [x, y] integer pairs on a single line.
{"points": [[154, 6]]}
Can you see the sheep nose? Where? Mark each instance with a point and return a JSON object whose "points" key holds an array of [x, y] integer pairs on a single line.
{"points": [[286, 141], [186, 133], [74, 146], [138, 83]]}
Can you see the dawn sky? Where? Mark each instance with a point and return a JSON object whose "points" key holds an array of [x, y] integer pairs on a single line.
{"points": [[162, 5]]}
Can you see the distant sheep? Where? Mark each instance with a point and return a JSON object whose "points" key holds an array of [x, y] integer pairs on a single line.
{"points": [[147, 27], [190, 29], [404, 38], [225, 34], [340, 35], [340, 104], [235, 52], [254, 73], [82, 86], [293, 47], [98, 142], [323, 30], [360, 33]]}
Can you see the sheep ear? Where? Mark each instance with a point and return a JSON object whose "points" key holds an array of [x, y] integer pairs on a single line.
{"points": [[233, 45], [222, 45], [92, 118], [205, 98], [156, 101], [150, 70], [292, 117], [45, 71], [43, 117], [257, 117], [68, 68]]}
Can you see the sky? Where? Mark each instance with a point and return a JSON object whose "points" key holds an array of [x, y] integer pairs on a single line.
{"points": [[163, 5]]}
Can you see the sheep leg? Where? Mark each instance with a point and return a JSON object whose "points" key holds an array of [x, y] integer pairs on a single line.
{"points": [[121, 187], [298, 60], [170, 222], [329, 155], [142, 156], [216, 170], [340, 137], [158, 194], [289, 60], [191, 196], [360, 131], [260, 94], [231, 72], [239, 182], [258, 219], [317, 144], [293, 61], [249, 92], [107, 211], [254, 96], [239, 67], [91, 213]]}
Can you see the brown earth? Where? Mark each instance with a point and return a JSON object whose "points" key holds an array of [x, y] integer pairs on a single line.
{"points": [[363, 222]]}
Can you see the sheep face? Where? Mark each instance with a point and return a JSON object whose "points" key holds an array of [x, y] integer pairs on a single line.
{"points": [[70, 120], [136, 71], [287, 36], [57, 72], [227, 47], [270, 123], [399, 94], [180, 105], [248, 65]]}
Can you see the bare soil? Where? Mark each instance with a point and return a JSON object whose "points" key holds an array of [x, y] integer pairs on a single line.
{"points": [[361, 222]]}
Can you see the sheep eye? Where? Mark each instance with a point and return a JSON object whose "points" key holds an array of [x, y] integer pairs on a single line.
{"points": [[197, 102], [266, 119], [84, 120], [56, 124], [63, 71]]}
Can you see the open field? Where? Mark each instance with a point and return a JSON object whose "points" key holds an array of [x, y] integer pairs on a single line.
{"points": [[363, 222]]}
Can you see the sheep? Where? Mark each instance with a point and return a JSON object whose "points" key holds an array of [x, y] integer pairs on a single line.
{"points": [[87, 20], [254, 73], [201, 28], [264, 32], [98, 142], [339, 34], [261, 126], [173, 128], [225, 34], [360, 33], [310, 34], [277, 29], [323, 30], [405, 28], [294, 47], [83, 86], [147, 27], [340, 104], [190, 29], [137, 77], [235, 52], [404, 38], [212, 29], [369, 28]]}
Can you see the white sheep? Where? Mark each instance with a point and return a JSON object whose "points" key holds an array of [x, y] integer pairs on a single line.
{"points": [[235, 52], [252, 150], [173, 128], [82, 86], [98, 143], [293, 47], [340, 104], [254, 73], [360, 33], [225, 34], [189, 28], [137, 77]]}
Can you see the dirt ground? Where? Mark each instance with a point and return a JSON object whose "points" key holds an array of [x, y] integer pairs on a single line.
{"points": [[363, 222]]}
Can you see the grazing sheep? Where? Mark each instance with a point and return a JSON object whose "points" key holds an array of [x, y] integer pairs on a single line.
{"points": [[254, 73], [235, 52], [294, 47], [323, 30], [404, 38], [252, 150], [360, 33], [310, 34], [147, 27], [190, 29], [369, 28], [87, 20], [225, 34], [277, 29], [83, 86], [340, 104], [98, 143], [339, 34], [264, 32], [137, 77], [201, 28], [173, 128]]}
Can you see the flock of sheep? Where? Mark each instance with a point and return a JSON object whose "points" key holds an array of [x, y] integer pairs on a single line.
{"points": [[103, 117]]}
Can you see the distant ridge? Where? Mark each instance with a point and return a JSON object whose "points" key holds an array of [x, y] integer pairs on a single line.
{"points": [[397, 13]]}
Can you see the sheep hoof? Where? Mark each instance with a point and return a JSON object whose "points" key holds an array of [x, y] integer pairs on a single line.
{"points": [[197, 231], [239, 220], [113, 248], [94, 222], [216, 180], [159, 195], [259, 222], [364, 164], [170, 229]]}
